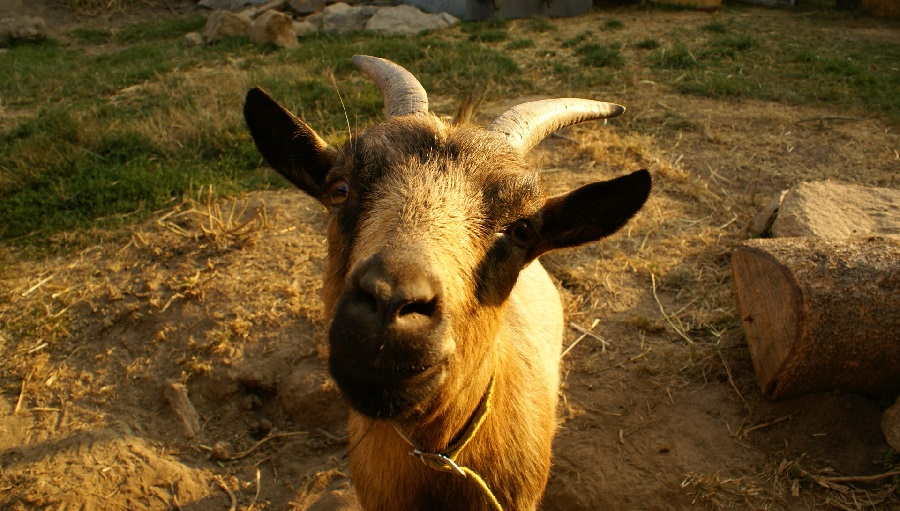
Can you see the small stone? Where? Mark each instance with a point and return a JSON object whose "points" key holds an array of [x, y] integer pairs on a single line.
{"points": [[222, 451], [890, 425], [190, 40]]}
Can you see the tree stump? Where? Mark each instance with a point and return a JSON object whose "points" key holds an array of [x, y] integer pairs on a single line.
{"points": [[821, 314]]}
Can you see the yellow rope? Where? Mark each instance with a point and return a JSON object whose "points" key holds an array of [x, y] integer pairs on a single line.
{"points": [[446, 462]]}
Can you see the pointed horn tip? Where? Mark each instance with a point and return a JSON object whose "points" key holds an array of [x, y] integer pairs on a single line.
{"points": [[616, 110]]}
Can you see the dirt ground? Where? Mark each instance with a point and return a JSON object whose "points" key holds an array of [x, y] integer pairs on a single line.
{"points": [[660, 408]]}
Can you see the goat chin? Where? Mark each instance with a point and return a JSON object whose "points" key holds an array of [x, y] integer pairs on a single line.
{"points": [[512, 451]]}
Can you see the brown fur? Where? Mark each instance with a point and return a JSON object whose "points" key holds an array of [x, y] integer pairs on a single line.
{"points": [[512, 450], [436, 204]]}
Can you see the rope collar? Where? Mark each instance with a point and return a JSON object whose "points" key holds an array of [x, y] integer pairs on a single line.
{"points": [[446, 461]]}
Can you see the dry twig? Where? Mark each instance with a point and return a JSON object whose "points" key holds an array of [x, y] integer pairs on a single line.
{"points": [[678, 330], [255, 446], [731, 381], [766, 425], [253, 502], [585, 332], [230, 493]]}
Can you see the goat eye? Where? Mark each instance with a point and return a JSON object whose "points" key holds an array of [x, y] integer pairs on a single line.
{"points": [[339, 192], [520, 232]]}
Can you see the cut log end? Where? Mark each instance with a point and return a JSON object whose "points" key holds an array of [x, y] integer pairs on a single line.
{"points": [[768, 301]]}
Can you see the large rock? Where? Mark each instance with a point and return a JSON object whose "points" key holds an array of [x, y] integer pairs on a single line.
{"points": [[341, 18], [304, 29], [829, 209], [223, 24], [407, 20], [307, 6], [273, 27], [24, 28]]}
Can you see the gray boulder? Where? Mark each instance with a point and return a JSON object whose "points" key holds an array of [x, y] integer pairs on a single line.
{"points": [[407, 20], [341, 18]]}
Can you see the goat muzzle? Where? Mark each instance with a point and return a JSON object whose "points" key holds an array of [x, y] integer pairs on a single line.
{"points": [[388, 337]]}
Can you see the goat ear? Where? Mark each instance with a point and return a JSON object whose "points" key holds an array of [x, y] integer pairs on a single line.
{"points": [[287, 143], [590, 212]]}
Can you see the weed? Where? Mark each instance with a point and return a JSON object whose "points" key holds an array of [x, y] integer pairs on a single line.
{"points": [[598, 55], [647, 44], [519, 44], [540, 24], [490, 36], [716, 28], [613, 24], [723, 47], [489, 24], [91, 35], [678, 57], [577, 40]]}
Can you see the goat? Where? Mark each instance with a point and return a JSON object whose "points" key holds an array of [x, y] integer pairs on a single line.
{"points": [[444, 330]]}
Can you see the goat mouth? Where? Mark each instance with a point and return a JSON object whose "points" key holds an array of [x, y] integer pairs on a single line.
{"points": [[387, 392]]}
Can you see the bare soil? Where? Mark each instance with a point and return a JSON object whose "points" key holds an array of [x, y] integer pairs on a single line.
{"points": [[660, 408]]}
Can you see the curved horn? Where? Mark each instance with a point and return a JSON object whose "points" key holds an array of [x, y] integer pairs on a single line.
{"points": [[403, 94], [527, 124]]}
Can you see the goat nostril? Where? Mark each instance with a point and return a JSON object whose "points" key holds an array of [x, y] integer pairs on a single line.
{"points": [[367, 300], [421, 307]]}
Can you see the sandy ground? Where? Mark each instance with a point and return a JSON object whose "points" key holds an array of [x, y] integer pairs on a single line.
{"points": [[660, 409]]}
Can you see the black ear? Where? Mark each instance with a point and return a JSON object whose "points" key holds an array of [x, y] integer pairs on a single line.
{"points": [[590, 212], [287, 143]]}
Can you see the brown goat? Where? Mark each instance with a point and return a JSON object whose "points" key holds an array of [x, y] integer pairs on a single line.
{"points": [[439, 310]]}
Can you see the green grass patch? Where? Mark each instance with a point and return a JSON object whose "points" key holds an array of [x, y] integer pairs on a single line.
{"points": [[716, 28], [91, 35], [677, 57], [118, 135], [577, 40], [613, 24], [490, 36], [647, 44], [107, 137], [540, 24], [519, 44], [598, 55], [156, 31]]}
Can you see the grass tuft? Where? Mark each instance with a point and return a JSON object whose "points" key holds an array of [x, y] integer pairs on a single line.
{"points": [[519, 44], [647, 44], [598, 55], [541, 25]]}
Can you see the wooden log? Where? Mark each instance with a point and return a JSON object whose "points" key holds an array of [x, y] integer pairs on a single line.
{"points": [[821, 314]]}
